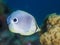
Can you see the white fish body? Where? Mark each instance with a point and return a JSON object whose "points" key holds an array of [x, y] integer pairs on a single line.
{"points": [[22, 22]]}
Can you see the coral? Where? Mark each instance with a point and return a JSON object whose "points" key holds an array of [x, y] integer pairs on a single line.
{"points": [[52, 35]]}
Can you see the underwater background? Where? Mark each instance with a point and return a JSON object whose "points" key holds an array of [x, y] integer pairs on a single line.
{"points": [[38, 8]]}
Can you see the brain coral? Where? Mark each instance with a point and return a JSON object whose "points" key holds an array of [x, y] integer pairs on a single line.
{"points": [[52, 35]]}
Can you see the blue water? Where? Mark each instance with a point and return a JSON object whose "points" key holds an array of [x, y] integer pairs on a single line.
{"points": [[38, 8]]}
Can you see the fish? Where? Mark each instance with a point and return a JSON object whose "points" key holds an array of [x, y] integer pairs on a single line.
{"points": [[22, 22]]}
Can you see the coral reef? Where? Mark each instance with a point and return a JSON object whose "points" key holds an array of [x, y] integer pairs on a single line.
{"points": [[52, 35]]}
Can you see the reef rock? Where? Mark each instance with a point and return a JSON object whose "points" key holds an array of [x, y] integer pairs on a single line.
{"points": [[52, 34]]}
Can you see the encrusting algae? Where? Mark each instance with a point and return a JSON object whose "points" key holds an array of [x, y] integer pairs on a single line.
{"points": [[52, 35]]}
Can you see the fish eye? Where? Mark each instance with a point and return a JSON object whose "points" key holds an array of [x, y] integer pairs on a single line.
{"points": [[15, 20]]}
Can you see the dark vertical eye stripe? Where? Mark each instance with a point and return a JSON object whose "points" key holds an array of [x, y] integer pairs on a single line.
{"points": [[8, 19]]}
